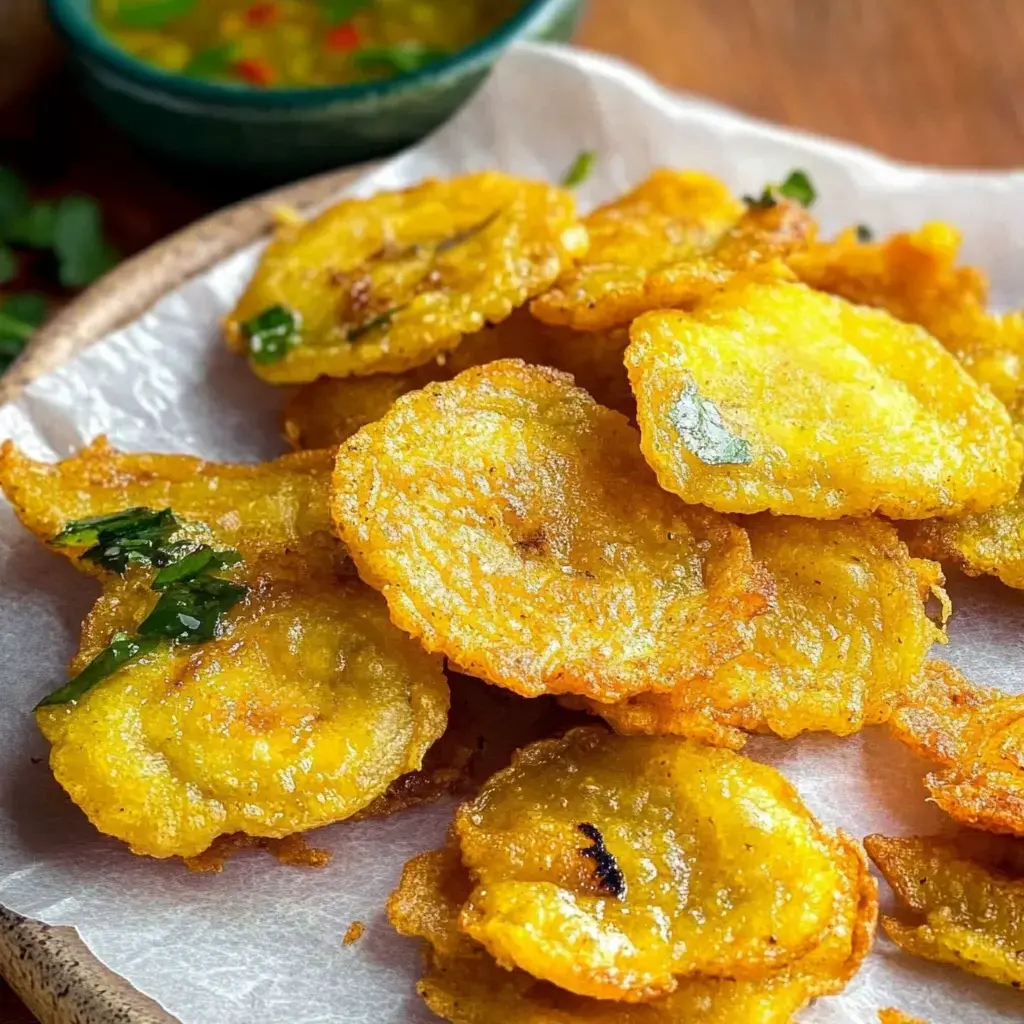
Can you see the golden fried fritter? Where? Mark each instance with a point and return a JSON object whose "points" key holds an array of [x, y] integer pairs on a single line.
{"points": [[329, 411], [464, 985], [777, 397], [972, 907], [386, 284], [612, 866], [846, 633], [302, 709], [976, 735], [673, 239], [890, 1015], [512, 524]]}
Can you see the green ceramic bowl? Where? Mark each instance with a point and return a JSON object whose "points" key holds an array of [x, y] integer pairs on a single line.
{"points": [[276, 135]]}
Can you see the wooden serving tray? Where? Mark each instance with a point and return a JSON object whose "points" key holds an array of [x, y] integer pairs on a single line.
{"points": [[59, 980]]}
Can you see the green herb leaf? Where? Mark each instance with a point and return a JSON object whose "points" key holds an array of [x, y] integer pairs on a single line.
{"points": [[580, 169], [467, 233], [34, 226], [80, 532], [337, 12], [401, 58], [134, 535], [797, 186], [20, 315], [272, 334], [14, 201], [213, 61], [151, 13], [381, 320], [83, 254], [190, 610], [8, 264], [197, 562], [703, 433], [864, 233], [121, 651]]}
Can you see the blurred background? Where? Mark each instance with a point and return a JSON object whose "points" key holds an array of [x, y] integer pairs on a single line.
{"points": [[932, 81]]}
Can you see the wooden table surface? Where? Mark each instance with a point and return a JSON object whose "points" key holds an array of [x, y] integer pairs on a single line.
{"points": [[934, 81]]}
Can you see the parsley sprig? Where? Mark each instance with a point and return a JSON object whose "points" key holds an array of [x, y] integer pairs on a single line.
{"points": [[192, 600]]}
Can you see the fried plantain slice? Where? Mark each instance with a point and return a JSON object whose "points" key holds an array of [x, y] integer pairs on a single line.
{"points": [[512, 524], [676, 237], [776, 397], [890, 1015], [976, 735], [846, 633], [612, 866], [301, 708], [329, 411], [385, 284], [972, 906], [464, 985]]}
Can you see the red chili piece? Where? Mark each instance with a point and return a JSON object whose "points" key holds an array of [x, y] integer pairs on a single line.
{"points": [[254, 71], [262, 14], [342, 38]]}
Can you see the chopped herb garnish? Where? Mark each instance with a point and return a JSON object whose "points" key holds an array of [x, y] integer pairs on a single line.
{"points": [[34, 226], [580, 169], [190, 610], [703, 433], [797, 186], [606, 868], [864, 233], [213, 61], [20, 315], [151, 13], [272, 334], [339, 11], [466, 233], [381, 320], [196, 562], [83, 254], [137, 535], [121, 650], [401, 58]]}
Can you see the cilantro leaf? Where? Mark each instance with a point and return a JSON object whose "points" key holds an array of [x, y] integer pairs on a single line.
{"points": [[13, 199], [797, 186], [151, 13], [704, 433], [190, 610], [401, 58], [34, 226], [121, 650], [83, 254], [580, 169], [272, 334]]}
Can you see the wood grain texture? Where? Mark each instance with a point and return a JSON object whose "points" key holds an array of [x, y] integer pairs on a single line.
{"points": [[930, 81]]}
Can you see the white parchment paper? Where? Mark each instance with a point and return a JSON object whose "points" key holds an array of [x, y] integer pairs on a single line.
{"points": [[262, 942]]}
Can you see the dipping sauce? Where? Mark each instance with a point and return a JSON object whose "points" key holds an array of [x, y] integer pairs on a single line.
{"points": [[298, 43]]}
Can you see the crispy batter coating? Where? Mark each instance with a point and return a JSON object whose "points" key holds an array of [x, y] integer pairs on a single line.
{"points": [[303, 709], [777, 397], [846, 633], [464, 985], [890, 1015], [676, 237], [512, 524], [385, 284], [972, 906], [611, 866], [976, 735], [329, 411]]}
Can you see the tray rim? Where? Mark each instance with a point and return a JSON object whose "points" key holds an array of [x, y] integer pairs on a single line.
{"points": [[50, 968]]}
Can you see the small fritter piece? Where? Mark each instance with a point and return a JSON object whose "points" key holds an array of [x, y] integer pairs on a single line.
{"points": [[329, 411], [384, 284], [890, 1015], [977, 735], [972, 907], [613, 866], [776, 397], [304, 705], [512, 525], [846, 634], [673, 239], [464, 985], [914, 276]]}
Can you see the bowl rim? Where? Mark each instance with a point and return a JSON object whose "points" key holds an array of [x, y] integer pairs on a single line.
{"points": [[74, 21]]}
